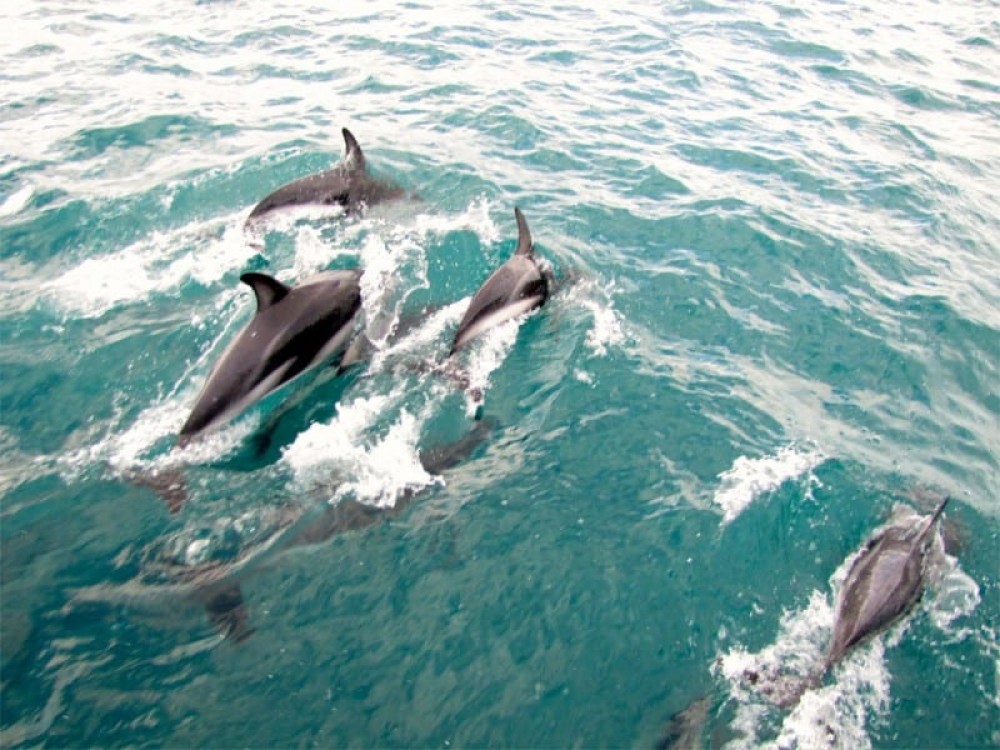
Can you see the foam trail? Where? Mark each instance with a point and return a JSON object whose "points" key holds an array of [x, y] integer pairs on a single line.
{"points": [[833, 716], [126, 448], [608, 329], [314, 253], [487, 354], [375, 471], [751, 477], [151, 265]]}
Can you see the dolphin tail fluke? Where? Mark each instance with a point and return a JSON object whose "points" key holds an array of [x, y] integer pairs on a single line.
{"points": [[785, 690], [790, 689], [441, 458], [524, 244], [452, 373], [354, 157], [168, 484]]}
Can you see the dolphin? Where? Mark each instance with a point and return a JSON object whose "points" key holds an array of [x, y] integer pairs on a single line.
{"points": [[206, 565], [348, 184], [518, 286], [883, 584], [294, 329]]}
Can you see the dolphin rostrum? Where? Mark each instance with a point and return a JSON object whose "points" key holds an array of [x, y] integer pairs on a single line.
{"points": [[518, 286], [294, 330], [348, 184]]}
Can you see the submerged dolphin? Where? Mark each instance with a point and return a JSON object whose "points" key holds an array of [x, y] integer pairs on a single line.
{"points": [[207, 565], [518, 286], [348, 185], [884, 583], [294, 329]]}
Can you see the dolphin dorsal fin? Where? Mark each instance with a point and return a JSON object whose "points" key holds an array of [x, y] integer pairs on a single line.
{"points": [[267, 289], [354, 157], [524, 246]]}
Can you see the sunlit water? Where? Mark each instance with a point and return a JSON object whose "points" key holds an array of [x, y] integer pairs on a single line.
{"points": [[778, 322]]}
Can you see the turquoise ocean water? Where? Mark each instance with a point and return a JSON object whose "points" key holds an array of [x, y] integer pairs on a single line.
{"points": [[777, 229]]}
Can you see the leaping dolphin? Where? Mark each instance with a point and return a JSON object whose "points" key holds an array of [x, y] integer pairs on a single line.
{"points": [[348, 184], [518, 286], [294, 330]]}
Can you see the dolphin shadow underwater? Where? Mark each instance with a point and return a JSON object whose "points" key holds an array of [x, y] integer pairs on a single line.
{"points": [[182, 566], [884, 583], [349, 185]]}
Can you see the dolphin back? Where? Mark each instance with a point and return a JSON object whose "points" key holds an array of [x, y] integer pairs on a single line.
{"points": [[346, 184], [293, 331], [883, 584], [517, 287]]}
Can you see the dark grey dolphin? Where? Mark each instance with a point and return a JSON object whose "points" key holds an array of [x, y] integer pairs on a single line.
{"points": [[348, 185], [294, 329], [884, 583], [518, 286]]}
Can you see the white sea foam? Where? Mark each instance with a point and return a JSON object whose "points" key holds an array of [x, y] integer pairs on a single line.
{"points": [[828, 716], [345, 456], [16, 201], [322, 444], [314, 252], [748, 478], [957, 596], [424, 336], [488, 353], [146, 445], [607, 330], [393, 255], [157, 263], [387, 259]]}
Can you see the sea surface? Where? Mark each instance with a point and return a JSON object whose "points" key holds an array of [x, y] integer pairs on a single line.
{"points": [[775, 234]]}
